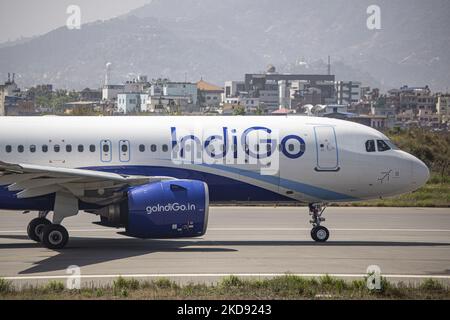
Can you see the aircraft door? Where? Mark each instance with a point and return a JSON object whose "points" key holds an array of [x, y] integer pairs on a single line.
{"points": [[326, 149], [105, 151], [124, 150]]}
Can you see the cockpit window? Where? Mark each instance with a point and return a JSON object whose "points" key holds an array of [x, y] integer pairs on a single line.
{"points": [[382, 146], [370, 145], [391, 144]]}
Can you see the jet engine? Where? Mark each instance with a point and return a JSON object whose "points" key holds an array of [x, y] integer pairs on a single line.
{"points": [[166, 209]]}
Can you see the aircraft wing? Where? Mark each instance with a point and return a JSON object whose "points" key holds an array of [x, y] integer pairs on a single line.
{"points": [[87, 185]]}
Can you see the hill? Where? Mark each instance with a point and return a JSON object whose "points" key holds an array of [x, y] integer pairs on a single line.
{"points": [[222, 40]]}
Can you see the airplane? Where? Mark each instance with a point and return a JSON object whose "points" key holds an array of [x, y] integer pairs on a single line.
{"points": [[157, 176]]}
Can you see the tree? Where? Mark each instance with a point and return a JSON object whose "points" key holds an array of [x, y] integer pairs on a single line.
{"points": [[239, 111]]}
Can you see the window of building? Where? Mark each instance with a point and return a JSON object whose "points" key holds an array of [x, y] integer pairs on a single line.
{"points": [[382, 146], [370, 146], [44, 148], [80, 148], [20, 148], [32, 148], [8, 149], [141, 148], [92, 148], [56, 148], [68, 148]]}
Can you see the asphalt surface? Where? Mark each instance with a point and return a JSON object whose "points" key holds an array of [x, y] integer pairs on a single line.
{"points": [[407, 244]]}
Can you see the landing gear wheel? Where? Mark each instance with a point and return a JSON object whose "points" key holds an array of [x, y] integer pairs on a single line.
{"points": [[55, 236], [320, 234], [35, 228]]}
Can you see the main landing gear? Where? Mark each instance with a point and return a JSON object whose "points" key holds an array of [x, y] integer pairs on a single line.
{"points": [[318, 233], [52, 236]]}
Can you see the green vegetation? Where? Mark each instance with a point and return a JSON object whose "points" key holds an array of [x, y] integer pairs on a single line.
{"points": [[433, 148], [239, 111], [55, 100], [232, 287]]}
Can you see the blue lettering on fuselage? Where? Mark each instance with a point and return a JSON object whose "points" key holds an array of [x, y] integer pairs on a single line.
{"points": [[228, 140]]}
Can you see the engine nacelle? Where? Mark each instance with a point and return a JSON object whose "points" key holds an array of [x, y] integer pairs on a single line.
{"points": [[167, 209]]}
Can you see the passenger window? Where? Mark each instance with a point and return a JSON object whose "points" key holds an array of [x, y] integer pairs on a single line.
{"points": [[69, 148], [106, 148], [80, 148], [44, 148], [370, 146], [165, 148], [20, 148], [92, 148], [153, 148], [32, 148], [56, 147], [291, 147], [124, 148], [141, 148], [382, 146], [8, 149]]}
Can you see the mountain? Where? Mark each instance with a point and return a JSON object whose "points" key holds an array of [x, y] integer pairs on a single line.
{"points": [[221, 40]]}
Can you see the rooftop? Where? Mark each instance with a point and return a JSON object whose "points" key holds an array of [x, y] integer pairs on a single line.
{"points": [[205, 86]]}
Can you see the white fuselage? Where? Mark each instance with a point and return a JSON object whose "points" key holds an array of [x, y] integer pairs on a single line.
{"points": [[309, 159]]}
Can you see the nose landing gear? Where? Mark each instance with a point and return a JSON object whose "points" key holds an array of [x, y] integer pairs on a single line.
{"points": [[318, 233]]}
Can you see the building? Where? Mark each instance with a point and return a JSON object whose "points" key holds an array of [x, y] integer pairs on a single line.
{"points": [[181, 89], [12, 101], [129, 102], [233, 88], [110, 91], [377, 122], [428, 118], [250, 105], [412, 98], [168, 105], [2, 101], [348, 92], [443, 107], [209, 95], [307, 88]]}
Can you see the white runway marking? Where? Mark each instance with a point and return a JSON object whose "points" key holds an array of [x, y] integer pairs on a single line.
{"points": [[215, 275], [260, 229]]}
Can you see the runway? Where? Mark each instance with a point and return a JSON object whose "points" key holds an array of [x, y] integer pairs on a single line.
{"points": [[407, 244]]}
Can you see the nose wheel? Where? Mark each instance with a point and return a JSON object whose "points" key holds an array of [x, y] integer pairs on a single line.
{"points": [[318, 233]]}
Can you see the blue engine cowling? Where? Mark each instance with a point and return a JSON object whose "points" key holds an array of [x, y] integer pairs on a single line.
{"points": [[168, 209]]}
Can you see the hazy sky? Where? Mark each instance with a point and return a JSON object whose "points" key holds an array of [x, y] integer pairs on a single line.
{"points": [[25, 18]]}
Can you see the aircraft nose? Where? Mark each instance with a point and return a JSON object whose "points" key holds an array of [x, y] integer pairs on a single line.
{"points": [[421, 173]]}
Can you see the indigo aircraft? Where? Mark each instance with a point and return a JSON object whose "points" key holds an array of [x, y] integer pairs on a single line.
{"points": [[156, 176]]}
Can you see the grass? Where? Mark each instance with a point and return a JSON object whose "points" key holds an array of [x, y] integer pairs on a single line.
{"points": [[232, 287], [436, 193]]}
